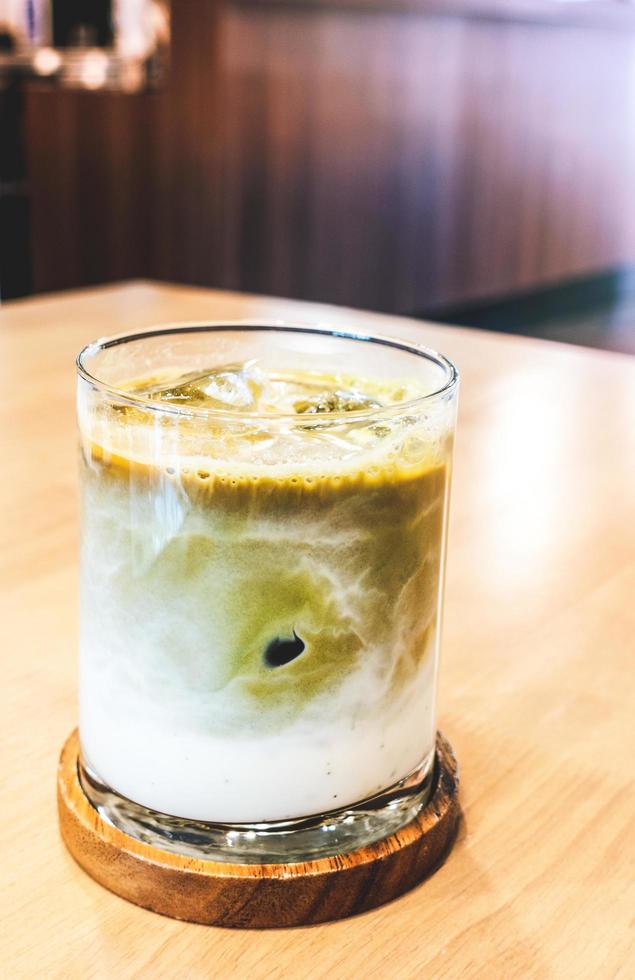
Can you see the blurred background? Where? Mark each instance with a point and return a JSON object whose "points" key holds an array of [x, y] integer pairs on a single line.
{"points": [[466, 160]]}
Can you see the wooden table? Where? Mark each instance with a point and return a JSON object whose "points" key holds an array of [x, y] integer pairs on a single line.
{"points": [[536, 688]]}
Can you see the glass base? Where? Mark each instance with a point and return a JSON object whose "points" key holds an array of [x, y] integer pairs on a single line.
{"points": [[303, 839]]}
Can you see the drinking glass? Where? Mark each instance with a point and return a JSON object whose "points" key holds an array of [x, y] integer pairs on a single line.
{"points": [[264, 513]]}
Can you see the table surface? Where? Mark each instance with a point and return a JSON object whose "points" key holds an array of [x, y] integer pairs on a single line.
{"points": [[536, 689]]}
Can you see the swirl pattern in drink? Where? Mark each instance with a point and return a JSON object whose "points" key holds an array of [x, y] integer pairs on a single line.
{"points": [[261, 576]]}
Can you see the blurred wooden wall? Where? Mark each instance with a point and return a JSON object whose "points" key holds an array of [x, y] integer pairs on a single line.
{"points": [[391, 158]]}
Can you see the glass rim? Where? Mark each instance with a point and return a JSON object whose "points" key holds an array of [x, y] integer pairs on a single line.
{"points": [[281, 326]]}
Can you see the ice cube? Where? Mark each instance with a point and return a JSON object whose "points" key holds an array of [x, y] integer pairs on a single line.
{"points": [[234, 386], [240, 386], [335, 401]]}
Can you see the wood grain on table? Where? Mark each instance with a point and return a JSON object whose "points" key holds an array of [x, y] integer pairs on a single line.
{"points": [[536, 690]]}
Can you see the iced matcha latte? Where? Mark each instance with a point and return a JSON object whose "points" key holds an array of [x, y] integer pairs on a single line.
{"points": [[263, 532]]}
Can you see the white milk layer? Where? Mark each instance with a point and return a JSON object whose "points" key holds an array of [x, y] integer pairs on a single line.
{"points": [[307, 769]]}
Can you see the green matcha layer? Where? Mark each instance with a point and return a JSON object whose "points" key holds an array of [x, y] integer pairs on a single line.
{"points": [[259, 592]]}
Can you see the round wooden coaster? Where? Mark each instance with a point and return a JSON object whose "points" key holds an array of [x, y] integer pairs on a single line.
{"points": [[258, 895]]}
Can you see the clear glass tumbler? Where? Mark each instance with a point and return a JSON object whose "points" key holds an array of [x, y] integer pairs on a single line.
{"points": [[264, 513]]}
